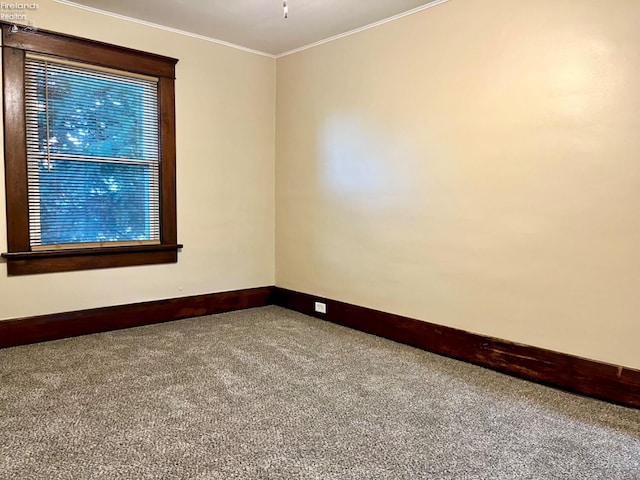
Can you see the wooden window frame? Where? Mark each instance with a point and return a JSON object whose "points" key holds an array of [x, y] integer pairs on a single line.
{"points": [[21, 259]]}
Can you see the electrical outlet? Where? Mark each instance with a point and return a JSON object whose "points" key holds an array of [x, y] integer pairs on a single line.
{"points": [[321, 307]]}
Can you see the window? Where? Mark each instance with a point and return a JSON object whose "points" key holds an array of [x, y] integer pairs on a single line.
{"points": [[89, 154]]}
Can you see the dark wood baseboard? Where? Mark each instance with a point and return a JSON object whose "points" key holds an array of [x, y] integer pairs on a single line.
{"points": [[613, 383], [41, 328], [588, 377]]}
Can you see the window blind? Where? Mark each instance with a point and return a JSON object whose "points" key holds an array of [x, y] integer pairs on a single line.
{"points": [[92, 155]]}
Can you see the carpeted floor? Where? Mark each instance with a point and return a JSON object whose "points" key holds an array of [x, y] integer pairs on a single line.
{"points": [[272, 394]]}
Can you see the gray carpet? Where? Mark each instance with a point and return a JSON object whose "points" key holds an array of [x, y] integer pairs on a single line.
{"points": [[271, 394]]}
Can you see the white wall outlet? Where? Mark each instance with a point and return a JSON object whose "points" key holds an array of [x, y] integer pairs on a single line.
{"points": [[321, 307]]}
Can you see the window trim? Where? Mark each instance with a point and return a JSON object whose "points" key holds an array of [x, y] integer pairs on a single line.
{"points": [[21, 259]]}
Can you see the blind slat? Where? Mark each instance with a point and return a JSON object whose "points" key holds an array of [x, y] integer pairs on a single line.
{"points": [[92, 155]]}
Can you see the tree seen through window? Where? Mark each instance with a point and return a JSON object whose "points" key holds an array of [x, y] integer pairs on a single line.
{"points": [[97, 156]]}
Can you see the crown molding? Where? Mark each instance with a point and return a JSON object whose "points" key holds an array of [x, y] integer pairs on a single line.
{"points": [[165, 28], [361, 29], [251, 50]]}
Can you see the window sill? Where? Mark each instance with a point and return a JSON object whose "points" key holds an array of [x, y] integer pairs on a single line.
{"points": [[67, 260]]}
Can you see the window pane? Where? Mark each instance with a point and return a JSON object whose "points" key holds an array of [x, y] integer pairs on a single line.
{"points": [[92, 142], [84, 201], [85, 113]]}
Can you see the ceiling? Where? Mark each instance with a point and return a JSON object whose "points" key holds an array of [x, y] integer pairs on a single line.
{"points": [[259, 25]]}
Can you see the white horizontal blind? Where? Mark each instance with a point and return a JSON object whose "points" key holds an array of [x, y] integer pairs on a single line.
{"points": [[92, 155]]}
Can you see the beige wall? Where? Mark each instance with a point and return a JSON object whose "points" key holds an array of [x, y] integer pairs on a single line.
{"points": [[474, 165], [225, 169]]}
